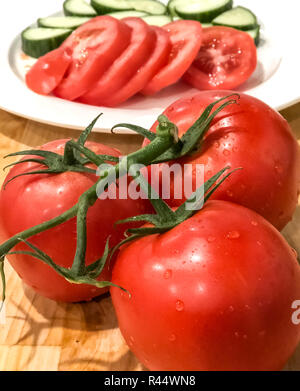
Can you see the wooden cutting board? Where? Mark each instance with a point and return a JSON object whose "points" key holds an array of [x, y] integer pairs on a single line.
{"points": [[40, 334]]}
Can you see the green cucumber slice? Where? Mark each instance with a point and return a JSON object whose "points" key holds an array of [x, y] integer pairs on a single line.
{"points": [[171, 8], [62, 22], [159, 20], [255, 34], [152, 7], [78, 8], [128, 14], [37, 41], [202, 10], [240, 18]]}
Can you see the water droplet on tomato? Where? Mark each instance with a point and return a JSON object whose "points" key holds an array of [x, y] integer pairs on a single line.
{"points": [[255, 223], [233, 235], [211, 239], [179, 305], [231, 308], [278, 169], [237, 334], [168, 274], [229, 193], [172, 338], [226, 152]]}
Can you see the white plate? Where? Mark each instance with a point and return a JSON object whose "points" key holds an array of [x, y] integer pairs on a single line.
{"points": [[275, 81]]}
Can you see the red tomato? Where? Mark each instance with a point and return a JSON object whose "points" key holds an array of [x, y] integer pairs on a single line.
{"points": [[214, 293], [95, 44], [250, 135], [45, 75], [127, 64], [186, 38], [38, 198], [157, 59], [227, 58]]}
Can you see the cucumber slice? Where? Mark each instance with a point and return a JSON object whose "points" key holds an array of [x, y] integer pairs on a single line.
{"points": [[255, 34], [171, 8], [128, 14], [107, 6], [239, 17], [152, 7], [78, 8], [202, 10], [159, 20], [62, 22], [37, 41]]}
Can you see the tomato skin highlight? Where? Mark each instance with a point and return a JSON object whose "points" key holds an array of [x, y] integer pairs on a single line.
{"points": [[95, 45], [186, 39], [250, 135], [126, 65], [46, 74], [156, 61], [227, 58], [38, 198], [214, 293]]}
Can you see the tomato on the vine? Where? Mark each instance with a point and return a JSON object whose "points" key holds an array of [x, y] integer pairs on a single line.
{"points": [[214, 293], [33, 199], [248, 135]]}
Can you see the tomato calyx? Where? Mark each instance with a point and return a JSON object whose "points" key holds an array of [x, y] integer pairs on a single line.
{"points": [[71, 160], [166, 218], [190, 142], [79, 273]]}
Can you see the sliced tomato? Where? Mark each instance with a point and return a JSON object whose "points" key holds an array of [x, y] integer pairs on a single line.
{"points": [[95, 44], [186, 38], [156, 61], [227, 58], [45, 75], [126, 65]]}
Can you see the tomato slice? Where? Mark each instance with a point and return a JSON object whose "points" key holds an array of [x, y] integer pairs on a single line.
{"points": [[45, 75], [95, 44], [186, 38], [142, 43], [227, 58], [156, 61]]}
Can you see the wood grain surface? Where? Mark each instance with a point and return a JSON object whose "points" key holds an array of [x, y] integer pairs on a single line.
{"points": [[40, 334]]}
